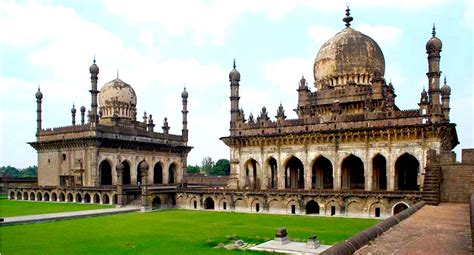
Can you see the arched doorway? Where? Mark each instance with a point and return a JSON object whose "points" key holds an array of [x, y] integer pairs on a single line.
{"points": [[251, 173], [78, 198], [273, 170], [406, 172], [12, 195], [70, 197], [139, 175], [39, 197], [18, 195], [294, 174], [398, 208], [172, 173], [62, 197], [209, 204], [87, 198], [158, 174], [96, 199], [25, 195], [32, 196], [126, 177], [312, 207], [156, 203], [54, 197], [379, 173], [352, 173], [46, 196], [322, 177], [105, 171], [105, 199]]}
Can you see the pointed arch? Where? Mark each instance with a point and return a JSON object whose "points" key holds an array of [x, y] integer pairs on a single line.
{"points": [[32, 196], [78, 198], [105, 199], [399, 207], [172, 169], [252, 174], [352, 173], [70, 197], [312, 207], [46, 196], [156, 203], [322, 174], [379, 172], [105, 172], [87, 198], [96, 198], [126, 176], [272, 170], [407, 170], [294, 173], [39, 196], [158, 173], [209, 203]]}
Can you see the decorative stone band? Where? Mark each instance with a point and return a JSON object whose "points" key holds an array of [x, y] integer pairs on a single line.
{"points": [[362, 238]]}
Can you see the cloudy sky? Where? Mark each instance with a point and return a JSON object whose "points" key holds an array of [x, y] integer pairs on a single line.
{"points": [[161, 46]]}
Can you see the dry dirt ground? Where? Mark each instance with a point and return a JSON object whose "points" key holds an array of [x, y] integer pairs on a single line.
{"points": [[442, 229]]}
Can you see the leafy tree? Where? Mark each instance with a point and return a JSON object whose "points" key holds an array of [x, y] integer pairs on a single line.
{"points": [[222, 167], [31, 171], [207, 165], [193, 169]]}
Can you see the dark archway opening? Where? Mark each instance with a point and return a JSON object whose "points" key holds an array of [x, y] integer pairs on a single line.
{"points": [[399, 208], [46, 197], [54, 197], [32, 196], [379, 173], [62, 197], [139, 176], [322, 177], [87, 198], [353, 173], [105, 199], [252, 178], [25, 195], [272, 163], [209, 204], [158, 174], [171, 173], [40, 197], [18, 195], [312, 207], [70, 197], [406, 172], [126, 178], [105, 173], [96, 199], [156, 203], [12, 195], [294, 174], [78, 198], [293, 209]]}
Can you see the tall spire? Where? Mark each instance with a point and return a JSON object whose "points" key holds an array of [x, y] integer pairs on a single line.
{"points": [[234, 64], [347, 19], [94, 71], [433, 32]]}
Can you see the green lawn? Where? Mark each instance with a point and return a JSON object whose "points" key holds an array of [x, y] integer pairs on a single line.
{"points": [[9, 208], [168, 232]]}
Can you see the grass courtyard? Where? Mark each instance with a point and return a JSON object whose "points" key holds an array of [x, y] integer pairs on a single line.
{"points": [[168, 232], [10, 208]]}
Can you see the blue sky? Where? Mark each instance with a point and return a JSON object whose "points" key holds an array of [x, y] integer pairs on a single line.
{"points": [[160, 46]]}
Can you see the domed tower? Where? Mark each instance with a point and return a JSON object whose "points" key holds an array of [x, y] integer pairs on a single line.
{"points": [[234, 78], [349, 57], [117, 100], [433, 49]]}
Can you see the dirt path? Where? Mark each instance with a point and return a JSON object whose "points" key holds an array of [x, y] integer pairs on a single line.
{"points": [[442, 229]]}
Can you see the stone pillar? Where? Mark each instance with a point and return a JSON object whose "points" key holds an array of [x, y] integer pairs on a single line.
{"points": [[143, 167], [281, 176], [307, 175], [119, 169]]}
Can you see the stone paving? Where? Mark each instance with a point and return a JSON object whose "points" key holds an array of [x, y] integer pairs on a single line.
{"points": [[443, 229], [66, 215]]}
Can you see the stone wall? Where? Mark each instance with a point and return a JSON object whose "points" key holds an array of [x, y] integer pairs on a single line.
{"points": [[458, 179]]}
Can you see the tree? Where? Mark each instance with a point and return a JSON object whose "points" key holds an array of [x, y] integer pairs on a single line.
{"points": [[207, 165], [31, 171], [222, 167], [193, 169]]}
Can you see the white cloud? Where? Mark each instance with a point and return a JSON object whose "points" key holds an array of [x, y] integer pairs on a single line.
{"points": [[320, 34]]}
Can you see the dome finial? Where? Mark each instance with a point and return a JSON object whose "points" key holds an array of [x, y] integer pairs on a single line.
{"points": [[445, 79], [234, 64], [94, 58], [433, 32], [117, 74], [347, 19]]}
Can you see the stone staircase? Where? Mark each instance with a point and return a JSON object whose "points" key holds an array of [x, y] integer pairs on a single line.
{"points": [[431, 187]]}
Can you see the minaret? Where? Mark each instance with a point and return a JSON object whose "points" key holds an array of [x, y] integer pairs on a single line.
{"points": [[83, 112], [39, 98], [94, 70], [184, 132], [73, 113], [433, 49], [234, 78], [445, 94], [150, 124]]}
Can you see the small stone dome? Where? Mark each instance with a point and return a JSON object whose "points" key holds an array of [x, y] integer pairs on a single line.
{"points": [[434, 44], [94, 69], [73, 109], [184, 94], [83, 109], [446, 89], [38, 94], [234, 75], [348, 56], [117, 98]]}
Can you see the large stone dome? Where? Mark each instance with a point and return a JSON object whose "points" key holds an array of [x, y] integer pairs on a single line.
{"points": [[348, 56], [117, 98]]}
